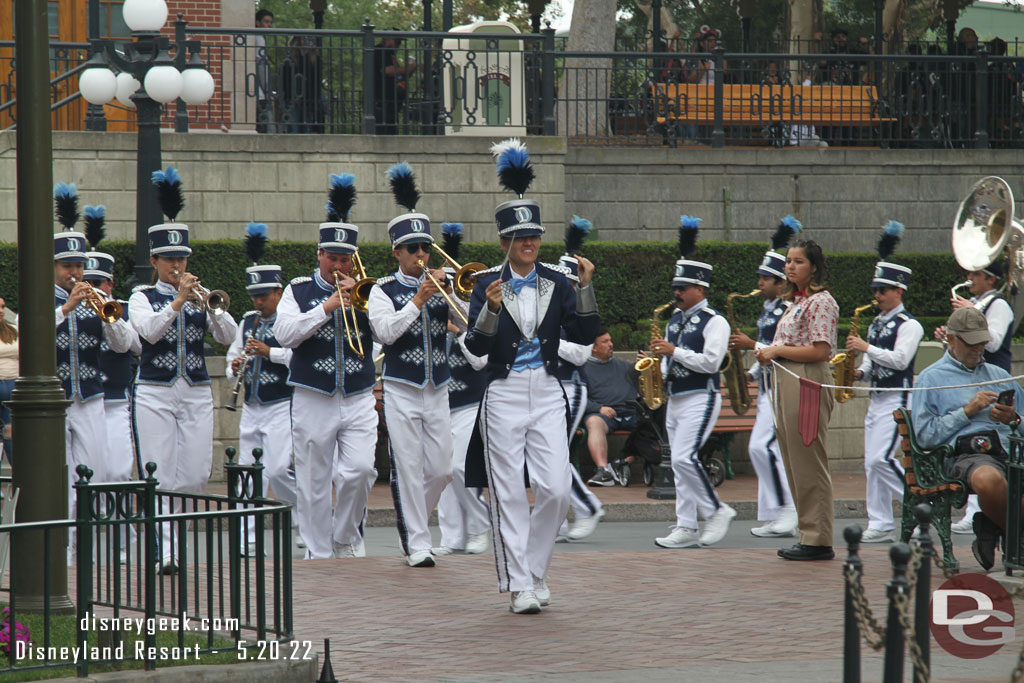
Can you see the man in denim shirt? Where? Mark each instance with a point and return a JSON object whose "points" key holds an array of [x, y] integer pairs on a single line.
{"points": [[971, 421]]}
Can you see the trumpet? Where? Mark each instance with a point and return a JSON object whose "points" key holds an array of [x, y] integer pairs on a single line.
{"points": [[451, 302], [109, 311], [355, 342], [465, 276], [216, 302]]}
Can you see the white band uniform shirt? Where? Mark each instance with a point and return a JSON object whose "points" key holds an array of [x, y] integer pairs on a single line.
{"points": [[173, 403], [333, 409], [117, 377]]}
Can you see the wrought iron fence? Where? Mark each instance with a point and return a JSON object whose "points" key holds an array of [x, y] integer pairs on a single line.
{"points": [[138, 599]]}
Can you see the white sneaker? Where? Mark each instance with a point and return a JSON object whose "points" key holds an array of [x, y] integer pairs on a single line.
{"points": [[541, 590], [478, 543], [878, 536], [524, 602], [444, 550], [420, 558], [964, 526], [679, 538], [785, 524], [360, 548], [561, 539], [582, 527], [716, 527], [766, 530], [343, 550]]}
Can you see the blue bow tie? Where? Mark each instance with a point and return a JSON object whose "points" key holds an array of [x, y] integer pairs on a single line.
{"points": [[520, 282]]}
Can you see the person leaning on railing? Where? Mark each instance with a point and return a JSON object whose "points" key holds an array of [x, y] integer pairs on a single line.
{"points": [[8, 373]]}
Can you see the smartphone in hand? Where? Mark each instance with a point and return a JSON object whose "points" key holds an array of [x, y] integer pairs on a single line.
{"points": [[1005, 398]]}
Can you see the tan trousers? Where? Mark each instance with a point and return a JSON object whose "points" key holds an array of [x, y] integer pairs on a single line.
{"points": [[806, 466]]}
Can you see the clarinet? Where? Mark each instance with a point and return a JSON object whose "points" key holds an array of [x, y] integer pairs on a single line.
{"points": [[240, 379]]}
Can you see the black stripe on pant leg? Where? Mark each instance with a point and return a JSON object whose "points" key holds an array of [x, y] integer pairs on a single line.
{"points": [[135, 433], [773, 462], [396, 496], [695, 459], [500, 565], [892, 443], [580, 493]]}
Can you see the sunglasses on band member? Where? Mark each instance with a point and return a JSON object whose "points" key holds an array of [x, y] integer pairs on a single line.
{"points": [[418, 246], [882, 290]]}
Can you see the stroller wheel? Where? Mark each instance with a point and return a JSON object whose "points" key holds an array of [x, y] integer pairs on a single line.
{"points": [[716, 471], [648, 474], [623, 471]]}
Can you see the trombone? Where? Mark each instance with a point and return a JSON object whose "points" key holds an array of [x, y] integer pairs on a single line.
{"points": [[355, 342], [216, 302], [465, 276], [359, 295], [440, 288], [109, 311]]}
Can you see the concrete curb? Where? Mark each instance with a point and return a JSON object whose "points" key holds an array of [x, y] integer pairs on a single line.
{"points": [[290, 671]]}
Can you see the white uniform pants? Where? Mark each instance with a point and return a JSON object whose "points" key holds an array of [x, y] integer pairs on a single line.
{"points": [[461, 512], [583, 501], [268, 427], [766, 457], [522, 423], [419, 429], [120, 444], [882, 459], [85, 443], [174, 429], [322, 425], [689, 420]]}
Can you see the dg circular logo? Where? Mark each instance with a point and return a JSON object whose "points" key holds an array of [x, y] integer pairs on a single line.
{"points": [[972, 616]]}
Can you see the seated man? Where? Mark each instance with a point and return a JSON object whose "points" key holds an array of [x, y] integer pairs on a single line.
{"points": [[611, 390], [972, 420]]}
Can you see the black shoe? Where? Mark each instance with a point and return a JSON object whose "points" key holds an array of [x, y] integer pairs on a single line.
{"points": [[169, 567], [807, 552], [986, 539], [602, 477]]}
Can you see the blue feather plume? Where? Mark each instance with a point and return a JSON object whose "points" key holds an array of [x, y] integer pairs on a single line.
{"points": [[788, 227], [688, 227], [168, 192], [575, 233], [341, 198], [513, 161], [403, 185], [65, 197], [451, 234], [892, 233], [255, 241], [95, 218]]}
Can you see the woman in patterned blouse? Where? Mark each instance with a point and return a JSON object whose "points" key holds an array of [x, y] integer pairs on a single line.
{"points": [[805, 340]]}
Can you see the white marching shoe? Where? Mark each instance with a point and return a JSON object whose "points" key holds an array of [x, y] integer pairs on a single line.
{"points": [[478, 543], [420, 558], [717, 527], [783, 526], [964, 526], [581, 527], [524, 602], [679, 538], [878, 536], [541, 590]]}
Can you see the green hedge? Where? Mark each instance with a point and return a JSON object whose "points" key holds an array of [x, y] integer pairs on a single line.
{"points": [[632, 278]]}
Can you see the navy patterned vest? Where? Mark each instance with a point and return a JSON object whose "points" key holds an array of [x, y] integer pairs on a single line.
{"points": [[688, 333], [418, 356], [179, 353], [269, 379], [116, 368], [1001, 357], [78, 350], [883, 335], [467, 385], [324, 362], [766, 324]]}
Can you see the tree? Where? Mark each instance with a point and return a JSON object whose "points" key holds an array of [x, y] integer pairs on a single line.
{"points": [[583, 92]]}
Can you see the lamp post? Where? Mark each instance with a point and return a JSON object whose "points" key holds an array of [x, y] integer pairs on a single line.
{"points": [[146, 80]]}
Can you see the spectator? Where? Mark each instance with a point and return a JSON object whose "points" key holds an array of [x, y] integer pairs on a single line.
{"points": [[301, 82], [1002, 91], [842, 71], [668, 68], [702, 70], [390, 84], [264, 101], [804, 135], [611, 387], [971, 421], [8, 373]]}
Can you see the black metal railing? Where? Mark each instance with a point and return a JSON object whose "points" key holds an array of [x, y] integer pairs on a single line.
{"points": [[206, 592]]}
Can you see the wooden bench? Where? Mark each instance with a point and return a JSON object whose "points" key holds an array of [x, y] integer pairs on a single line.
{"points": [[925, 481]]}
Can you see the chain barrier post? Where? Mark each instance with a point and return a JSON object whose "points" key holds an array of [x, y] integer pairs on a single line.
{"points": [[923, 592], [892, 670], [851, 633], [1014, 468], [83, 556]]}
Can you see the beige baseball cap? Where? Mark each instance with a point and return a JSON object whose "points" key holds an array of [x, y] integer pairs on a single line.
{"points": [[970, 325]]}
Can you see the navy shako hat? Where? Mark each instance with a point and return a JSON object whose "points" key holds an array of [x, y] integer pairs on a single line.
{"points": [[995, 269], [68, 245], [336, 234], [575, 233], [169, 240], [259, 279], [410, 227], [98, 266], [773, 262], [516, 217], [889, 274], [689, 272]]}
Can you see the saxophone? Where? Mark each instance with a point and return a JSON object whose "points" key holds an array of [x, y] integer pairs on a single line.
{"points": [[735, 374], [844, 365], [651, 384]]}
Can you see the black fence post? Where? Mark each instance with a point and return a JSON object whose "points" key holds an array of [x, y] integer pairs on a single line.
{"points": [[892, 671], [234, 534], [1015, 465], [548, 81], [718, 134], [923, 590], [150, 570], [83, 558], [981, 137], [851, 632], [181, 111], [369, 90]]}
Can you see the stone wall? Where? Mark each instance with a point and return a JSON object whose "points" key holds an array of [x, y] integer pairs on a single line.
{"points": [[841, 195]]}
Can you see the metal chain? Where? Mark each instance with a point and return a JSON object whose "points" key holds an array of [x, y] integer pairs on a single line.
{"points": [[873, 632], [903, 612]]}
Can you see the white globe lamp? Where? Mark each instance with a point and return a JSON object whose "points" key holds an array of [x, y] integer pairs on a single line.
{"points": [[144, 15], [126, 87], [197, 86], [163, 83], [97, 85]]}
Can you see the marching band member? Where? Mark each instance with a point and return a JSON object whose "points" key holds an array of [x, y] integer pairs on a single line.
{"points": [[410, 318], [889, 354], [115, 368], [80, 331], [461, 512], [266, 410], [517, 313], [333, 408], [774, 501], [699, 340], [173, 404]]}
